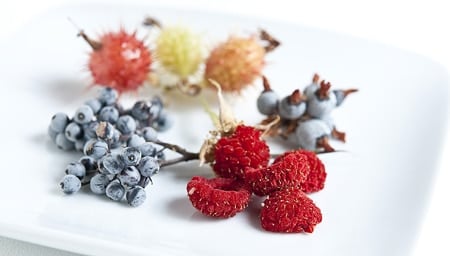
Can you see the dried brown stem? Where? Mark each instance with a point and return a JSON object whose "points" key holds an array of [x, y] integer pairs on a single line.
{"points": [[95, 45], [272, 42], [151, 22]]}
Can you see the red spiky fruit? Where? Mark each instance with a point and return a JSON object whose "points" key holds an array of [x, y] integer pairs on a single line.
{"points": [[119, 60], [235, 63]]}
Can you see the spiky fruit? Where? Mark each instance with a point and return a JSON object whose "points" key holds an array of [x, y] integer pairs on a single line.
{"points": [[243, 149], [235, 63], [119, 60], [179, 50], [218, 197], [289, 211]]}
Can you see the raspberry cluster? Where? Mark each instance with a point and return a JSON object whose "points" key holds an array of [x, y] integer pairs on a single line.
{"points": [[241, 162], [305, 117]]}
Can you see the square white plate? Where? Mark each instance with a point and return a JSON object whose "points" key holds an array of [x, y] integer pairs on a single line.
{"points": [[375, 194]]}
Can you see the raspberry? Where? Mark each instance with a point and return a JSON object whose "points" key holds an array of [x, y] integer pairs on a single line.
{"points": [[289, 211], [317, 175], [218, 197], [244, 148], [290, 172]]}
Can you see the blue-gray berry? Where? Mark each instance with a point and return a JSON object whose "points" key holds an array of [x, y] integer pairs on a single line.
{"points": [[267, 103], [310, 90], [73, 132], [131, 156], [77, 169], [126, 124], [52, 133], [150, 134], [308, 132], [95, 148], [141, 110], [108, 96], [90, 130], [79, 145], [136, 196], [163, 122], [156, 106], [130, 176], [115, 140], [63, 143], [98, 183], [148, 166], [147, 149], [135, 141], [89, 163], [115, 191], [83, 115], [94, 104], [113, 163], [292, 107], [70, 184], [109, 114], [59, 122], [318, 108]]}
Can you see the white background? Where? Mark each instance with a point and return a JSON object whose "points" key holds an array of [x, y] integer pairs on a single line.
{"points": [[420, 26]]}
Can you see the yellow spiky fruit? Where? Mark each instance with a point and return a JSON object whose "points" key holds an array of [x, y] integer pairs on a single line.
{"points": [[179, 51], [235, 63]]}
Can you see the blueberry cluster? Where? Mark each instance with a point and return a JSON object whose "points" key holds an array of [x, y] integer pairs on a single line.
{"points": [[306, 115], [119, 154]]}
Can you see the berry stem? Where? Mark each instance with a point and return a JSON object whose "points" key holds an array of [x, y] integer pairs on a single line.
{"points": [[266, 84], [272, 42], [94, 44], [185, 155], [151, 22]]}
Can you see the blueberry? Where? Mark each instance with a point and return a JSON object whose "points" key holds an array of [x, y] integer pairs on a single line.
{"points": [[163, 122], [83, 115], [90, 130], [160, 155], [73, 132], [340, 96], [70, 184], [79, 145], [148, 166], [141, 110], [94, 104], [308, 132], [310, 90], [126, 124], [290, 107], [52, 133], [115, 191], [105, 131], [321, 107], [136, 196], [113, 163], [149, 134], [115, 140], [147, 149], [89, 163], [95, 148], [131, 156], [98, 183], [108, 96], [130, 176], [59, 122], [63, 143], [267, 103], [156, 106], [109, 114], [135, 141], [77, 169]]}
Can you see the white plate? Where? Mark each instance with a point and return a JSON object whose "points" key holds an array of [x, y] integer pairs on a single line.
{"points": [[375, 194]]}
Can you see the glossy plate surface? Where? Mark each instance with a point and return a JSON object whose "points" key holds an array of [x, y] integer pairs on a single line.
{"points": [[375, 193]]}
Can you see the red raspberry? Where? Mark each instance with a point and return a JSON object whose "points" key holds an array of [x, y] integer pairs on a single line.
{"points": [[218, 197], [244, 148], [317, 175], [290, 172], [289, 211]]}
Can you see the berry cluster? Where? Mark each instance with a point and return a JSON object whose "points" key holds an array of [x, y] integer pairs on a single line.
{"points": [[305, 115], [120, 154], [176, 57]]}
